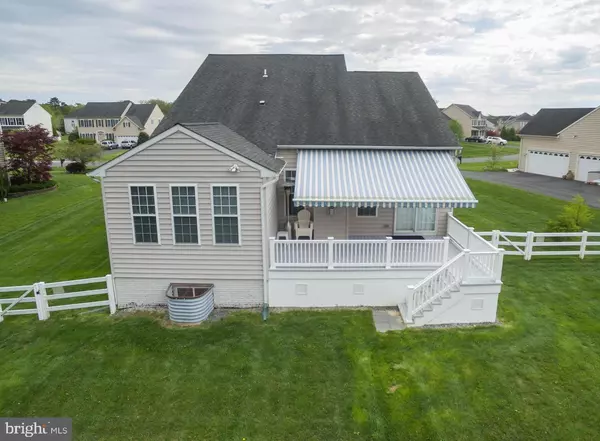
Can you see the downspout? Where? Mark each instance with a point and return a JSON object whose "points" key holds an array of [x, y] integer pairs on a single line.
{"points": [[263, 223]]}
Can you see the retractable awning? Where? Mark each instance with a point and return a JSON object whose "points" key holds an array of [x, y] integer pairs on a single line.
{"points": [[384, 178]]}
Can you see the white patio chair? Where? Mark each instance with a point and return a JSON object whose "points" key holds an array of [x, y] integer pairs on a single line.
{"points": [[303, 227]]}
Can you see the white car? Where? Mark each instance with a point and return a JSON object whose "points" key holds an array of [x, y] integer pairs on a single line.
{"points": [[109, 145], [496, 140], [128, 144]]}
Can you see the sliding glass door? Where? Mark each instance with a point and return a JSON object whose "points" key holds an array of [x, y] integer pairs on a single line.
{"points": [[415, 220]]}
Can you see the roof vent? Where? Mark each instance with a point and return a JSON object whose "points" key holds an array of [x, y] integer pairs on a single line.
{"points": [[262, 102], [265, 75]]}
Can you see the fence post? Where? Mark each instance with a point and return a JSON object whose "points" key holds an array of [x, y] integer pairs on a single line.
{"points": [[410, 304], [330, 252], [584, 236], [467, 265], [446, 249], [112, 301], [499, 264], [529, 245], [272, 251], [495, 238], [1, 316], [41, 302], [388, 252]]}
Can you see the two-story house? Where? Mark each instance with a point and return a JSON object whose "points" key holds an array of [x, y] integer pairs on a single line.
{"points": [[472, 121], [117, 121], [16, 114]]}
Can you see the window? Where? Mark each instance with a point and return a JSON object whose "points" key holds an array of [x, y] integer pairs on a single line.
{"points": [[290, 176], [126, 124], [185, 214], [415, 219], [143, 210], [366, 212], [226, 214], [99, 123]]}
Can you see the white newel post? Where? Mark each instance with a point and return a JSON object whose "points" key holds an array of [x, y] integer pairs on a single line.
{"points": [[330, 252], [41, 302], [529, 245], [272, 252], [446, 249], [495, 238], [467, 267], [469, 234], [112, 301], [499, 264], [584, 236], [410, 303], [388, 252]]}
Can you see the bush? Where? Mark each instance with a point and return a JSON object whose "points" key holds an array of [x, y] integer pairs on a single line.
{"points": [[456, 129], [143, 137], [29, 153], [75, 167], [31, 187], [82, 152], [85, 141], [73, 136], [576, 216]]}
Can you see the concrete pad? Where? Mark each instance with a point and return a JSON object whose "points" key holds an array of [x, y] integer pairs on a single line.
{"points": [[387, 320]]}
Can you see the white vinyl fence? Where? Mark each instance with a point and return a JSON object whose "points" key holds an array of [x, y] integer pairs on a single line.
{"points": [[38, 294], [545, 244]]}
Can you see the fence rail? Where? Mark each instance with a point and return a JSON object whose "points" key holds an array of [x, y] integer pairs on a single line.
{"points": [[331, 254], [531, 244], [40, 297]]}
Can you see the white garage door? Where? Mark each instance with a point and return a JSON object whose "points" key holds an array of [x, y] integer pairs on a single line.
{"points": [[126, 138], [586, 164], [547, 163]]}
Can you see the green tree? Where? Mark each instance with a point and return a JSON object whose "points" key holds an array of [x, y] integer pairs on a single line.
{"points": [[81, 153], [495, 157], [456, 129], [165, 106], [576, 216], [143, 137]]}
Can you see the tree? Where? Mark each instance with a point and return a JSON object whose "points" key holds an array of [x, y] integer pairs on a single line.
{"points": [[143, 137], [576, 216], [81, 153], [456, 129], [74, 136], [495, 156], [29, 154], [504, 134], [165, 106]]}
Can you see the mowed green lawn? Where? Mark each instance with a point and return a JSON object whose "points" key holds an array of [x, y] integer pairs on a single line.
{"points": [[476, 150], [304, 375]]}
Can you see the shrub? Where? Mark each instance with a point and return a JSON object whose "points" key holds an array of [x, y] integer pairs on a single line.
{"points": [[143, 137], [85, 141], [576, 216], [495, 157], [29, 153], [4, 183], [82, 152], [456, 129], [75, 167], [31, 187], [73, 136]]}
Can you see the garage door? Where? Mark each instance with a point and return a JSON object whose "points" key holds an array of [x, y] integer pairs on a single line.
{"points": [[127, 138], [547, 163], [586, 164]]}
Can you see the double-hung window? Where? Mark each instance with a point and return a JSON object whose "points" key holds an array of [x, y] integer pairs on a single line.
{"points": [[366, 212], [144, 213], [226, 214], [185, 214]]}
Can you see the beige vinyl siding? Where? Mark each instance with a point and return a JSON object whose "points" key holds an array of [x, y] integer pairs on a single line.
{"points": [[121, 130], [463, 119], [380, 226], [326, 225], [155, 117], [179, 159]]}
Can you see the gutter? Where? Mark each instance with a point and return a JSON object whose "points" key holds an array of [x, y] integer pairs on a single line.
{"points": [[263, 223]]}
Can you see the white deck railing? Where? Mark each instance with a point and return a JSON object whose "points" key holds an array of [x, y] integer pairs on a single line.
{"points": [[466, 237], [332, 254]]}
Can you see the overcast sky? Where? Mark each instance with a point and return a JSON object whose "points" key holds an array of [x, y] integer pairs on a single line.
{"points": [[500, 56]]}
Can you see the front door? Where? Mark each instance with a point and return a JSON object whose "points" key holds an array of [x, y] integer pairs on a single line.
{"points": [[415, 220]]}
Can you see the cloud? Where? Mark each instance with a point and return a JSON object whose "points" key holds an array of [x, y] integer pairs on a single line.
{"points": [[501, 56]]}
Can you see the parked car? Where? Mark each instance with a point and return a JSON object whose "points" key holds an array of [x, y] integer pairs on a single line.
{"points": [[109, 145], [480, 139], [128, 144], [496, 140]]}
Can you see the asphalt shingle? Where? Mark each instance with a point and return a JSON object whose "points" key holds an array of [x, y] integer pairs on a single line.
{"points": [[100, 110], [16, 107], [548, 122]]}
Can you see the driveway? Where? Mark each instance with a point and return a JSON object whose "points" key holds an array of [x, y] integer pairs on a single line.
{"points": [[555, 187]]}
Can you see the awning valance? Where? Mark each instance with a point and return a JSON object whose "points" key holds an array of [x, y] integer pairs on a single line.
{"points": [[384, 178]]}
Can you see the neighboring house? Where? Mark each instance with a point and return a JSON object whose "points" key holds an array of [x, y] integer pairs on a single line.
{"points": [[514, 122], [472, 121], [16, 114], [117, 121], [556, 141], [253, 140]]}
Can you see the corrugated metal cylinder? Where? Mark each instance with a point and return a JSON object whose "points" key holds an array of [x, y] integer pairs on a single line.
{"points": [[192, 309]]}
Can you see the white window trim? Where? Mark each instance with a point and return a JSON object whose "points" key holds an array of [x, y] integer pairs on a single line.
{"points": [[212, 215], [173, 213], [285, 173], [422, 233], [362, 215], [135, 242]]}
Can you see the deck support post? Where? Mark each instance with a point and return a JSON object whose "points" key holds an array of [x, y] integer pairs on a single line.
{"points": [[388, 252], [446, 249]]}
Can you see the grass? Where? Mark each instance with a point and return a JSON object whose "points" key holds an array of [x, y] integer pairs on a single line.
{"points": [[475, 150], [483, 166], [107, 155], [302, 375]]}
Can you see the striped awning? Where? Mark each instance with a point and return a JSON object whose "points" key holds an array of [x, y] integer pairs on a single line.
{"points": [[383, 178]]}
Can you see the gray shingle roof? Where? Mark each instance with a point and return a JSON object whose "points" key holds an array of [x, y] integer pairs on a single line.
{"points": [[310, 100], [226, 137], [139, 113], [100, 110], [470, 110], [548, 122], [16, 107]]}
